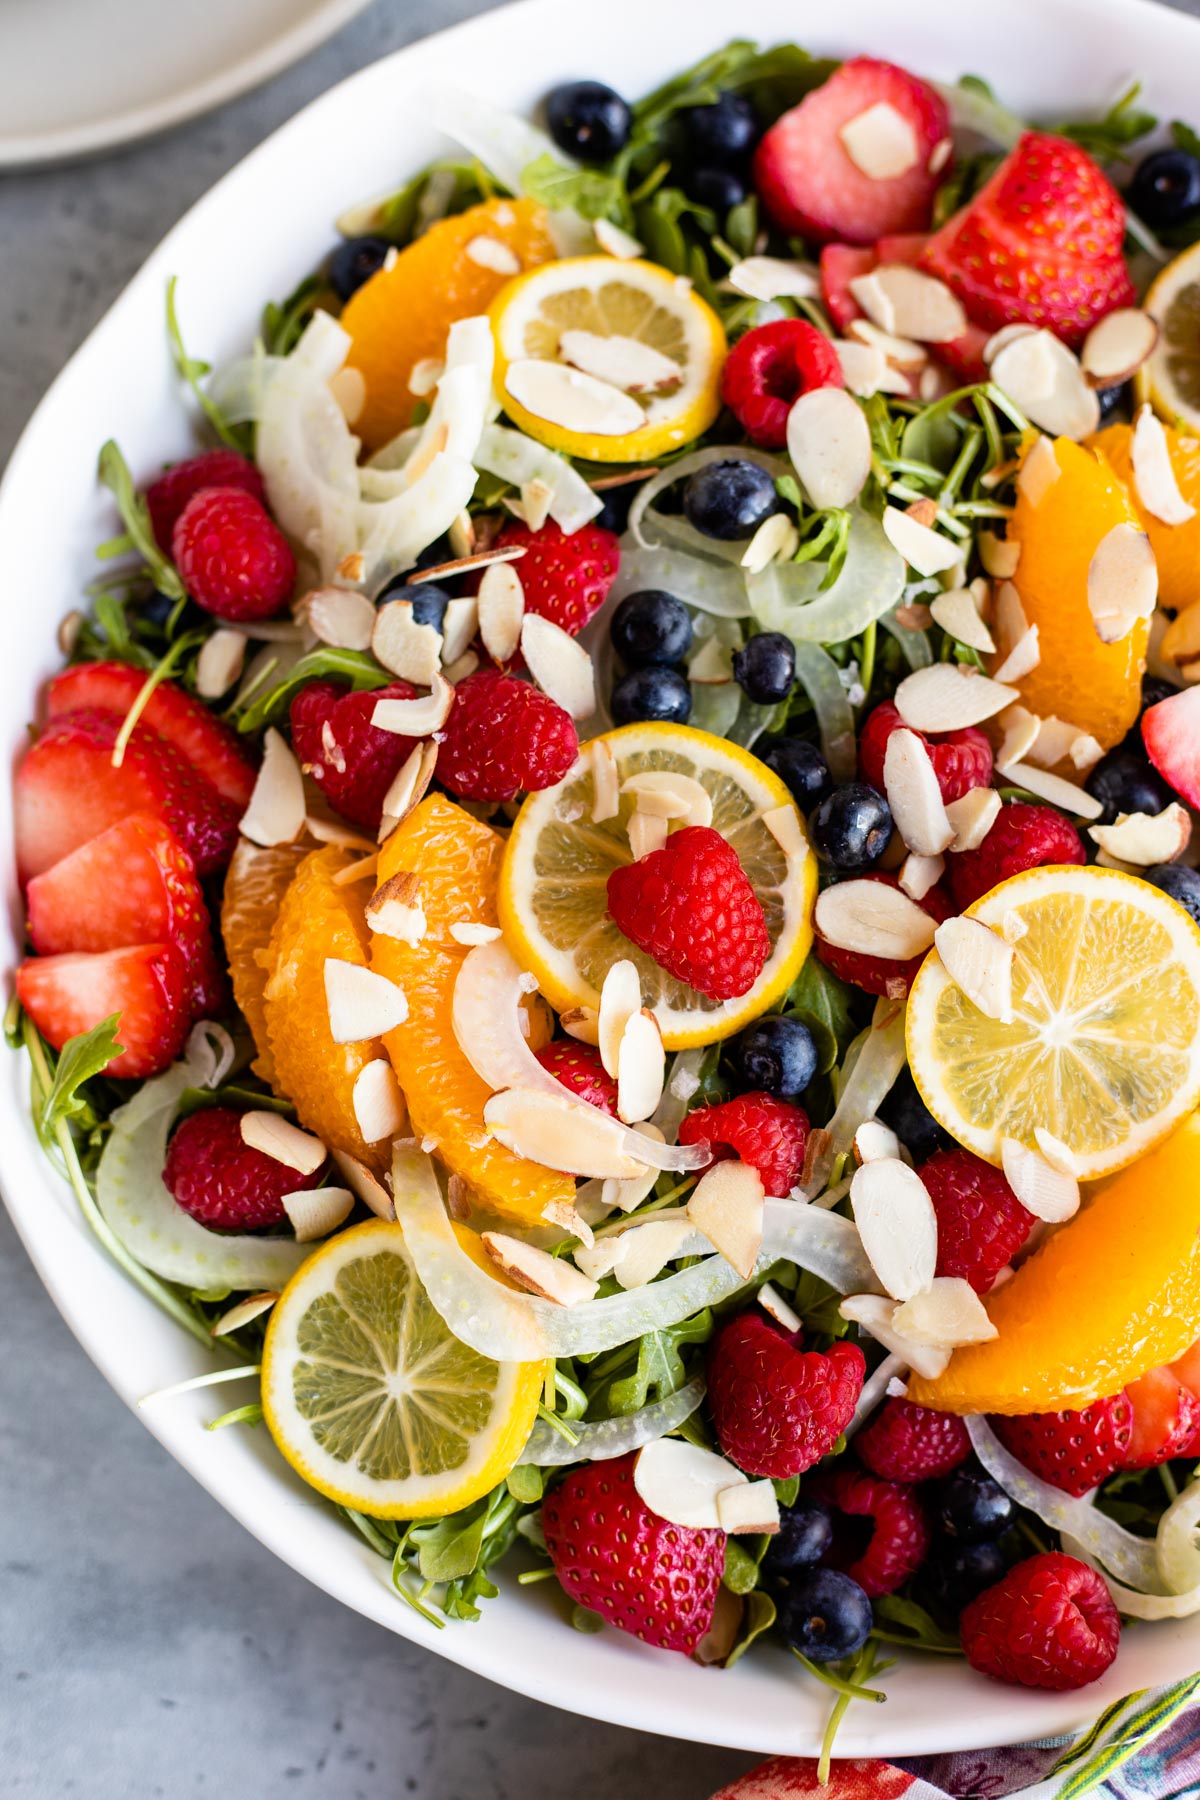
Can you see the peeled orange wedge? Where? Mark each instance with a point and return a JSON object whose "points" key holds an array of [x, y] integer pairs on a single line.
{"points": [[1176, 547]]}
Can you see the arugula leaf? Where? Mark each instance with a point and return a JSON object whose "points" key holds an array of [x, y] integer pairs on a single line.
{"points": [[824, 1004], [114, 473], [193, 371], [525, 1483], [786, 1489], [362, 672], [449, 1548], [659, 1364], [1184, 138], [741, 1569], [758, 1615], [591, 192], [1108, 138], [919, 1627], [283, 322], [83, 1057]]}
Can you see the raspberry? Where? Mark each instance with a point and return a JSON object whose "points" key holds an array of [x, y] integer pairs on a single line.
{"points": [[1023, 837], [504, 737], [779, 1409], [221, 1180], [232, 557], [1074, 1451], [757, 1129], [906, 1442], [167, 497], [880, 974], [767, 371], [578, 1067], [691, 908], [961, 760], [1050, 1623], [565, 577], [899, 1537], [981, 1223], [352, 760]]}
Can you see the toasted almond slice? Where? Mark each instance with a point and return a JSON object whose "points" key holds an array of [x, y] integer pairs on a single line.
{"points": [[537, 497], [349, 388], [924, 511], [1009, 616], [629, 1193], [1038, 472], [923, 549], [1070, 408], [1053, 788], [1117, 346], [940, 155], [875, 1313], [680, 1482], [501, 602], [647, 833], [914, 616], [378, 1102], [946, 1314], [972, 816], [876, 1142], [315, 1212], [550, 1277], [1022, 659], [897, 1224], [998, 555], [1059, 1155], [394, 910], [863, 366], [689, 799], [462, 565], [776, 540], [366, 1185], [901, 354], [880, 142], [726, 1204], [1050, 746], [873, 919], [875, 301], [911, 785], [1153, 472], [405, 648], [493, 253], [459, 625], [559, 1133], [773, 1302], [242, 1312], [340, 617], [72, 623], [944, 697], [829, 442], [750, 1506], [979, 962], [606, 786], [620, 998], [647, 1249], [219, 663], [562, 1214], [775, 278], [920, 873], [568, 397], [1144, 838], [472, 934], [560, 665], [1026, 368], [283, 1142], [783, 823], [1044, 1191], [641, 1067], [615, 242], [408, 786], [277, 808], [956, 611], [463, 666], [425, 375], [712, 665], [461, 534], [416, 718], [1122, 582], [361, 1003], [332, 831], [581, 1023], [921, 307], [1085, 751], [626, 362], [999, 340]]}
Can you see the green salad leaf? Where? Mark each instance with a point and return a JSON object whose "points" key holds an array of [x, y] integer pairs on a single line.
{"points": [[82, 1058], [114, 473], [191, 370], [660, 1370]]}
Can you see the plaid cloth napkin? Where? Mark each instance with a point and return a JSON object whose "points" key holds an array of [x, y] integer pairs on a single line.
{"points": [[1145, 1747]]}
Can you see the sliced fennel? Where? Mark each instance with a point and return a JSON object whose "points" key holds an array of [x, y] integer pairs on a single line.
{"points": [[607, 1438]]}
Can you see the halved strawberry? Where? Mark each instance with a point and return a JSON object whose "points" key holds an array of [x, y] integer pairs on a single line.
{"points": [[145, 984], [1187, 1368], [67, 791], [1171, 734], [212, 749], [840, 265], [843, 263], [133, 884], [1166, 1419]]}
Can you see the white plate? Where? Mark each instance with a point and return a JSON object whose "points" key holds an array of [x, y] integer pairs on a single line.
{"points": [[77, 76], [270, 220]]}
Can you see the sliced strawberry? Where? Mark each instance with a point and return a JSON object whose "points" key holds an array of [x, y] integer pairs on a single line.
{"points": [[1187, 1368], [840, 265], [213, 750], [145, 984], [1166, 1419], [902, 247], [133, 884], [1171, 734], [67, 791], [810, 184]]}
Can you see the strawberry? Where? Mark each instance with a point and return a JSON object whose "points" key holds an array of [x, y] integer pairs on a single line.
{"points": [[579, 1068], [67, 791], [1166, 1419], [1171, 734], [1040, 244], [145, 984], [1074, 1451], [840, 265], [843, 263], [131, 884], [565, 577], [691, 907], [352, 760], [810, 184], [779, 1409], [656, 1580], [1187, 1368]]}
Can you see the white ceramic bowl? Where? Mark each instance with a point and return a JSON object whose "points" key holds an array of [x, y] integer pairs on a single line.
{"points": [[253, 236]]}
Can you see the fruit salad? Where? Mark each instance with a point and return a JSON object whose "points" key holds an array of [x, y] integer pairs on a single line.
{"points": [[641, 955]]}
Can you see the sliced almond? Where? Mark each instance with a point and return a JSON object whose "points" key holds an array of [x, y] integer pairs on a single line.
{"points": [[559, 1133], [361, 1004], [875, 1313], [1022, 659], [459, 625], [243, 1312], [914, 616], [537, 497], [471, 933], [340, 617], [998, 555], [868, 292], [1026, 368], [460, 668], [783, 823], [876, 1142], [615, 242], [560, 665], [1117, 346], [1153, 472], [462, 565], [1144, 838], [880, 142], [1055, 741], [923, 549], [332, 831], [1038, 472], [680, 1482], [1044, 1191], [900, 353], [957, 613], [283, 1142], [911, 785], [897, 1224], [628, 1194], [940, 155], [501, 603], [636, 1256], [416, 718], [620, 998], [568, 397], [405, 648], [647, 833], [563, 1214], [712, 665], [972, 816], [920, 306], [683, 797], [626, 362], [550, 1277], [641, 1067], [425, 375], [920, 873], [1060, 793], [277, 807], [581, 1023], [1021, 730], [366, 1185], [461, 535], [773, 1302], [1069, 408], [394, 910], [749, 1507], [606, 785], [924, 511], [978, 961], [944, 697], [945, 1315], [829, 442], [493, 253], [378, 1103], [1085, 751], [775, 278], [873, 919], [315, 1212], [999, 340], [1059, 1155], [219, 663], [776, 540], [408, 787], [726, 1205], [863, 366], [1122, 582]]}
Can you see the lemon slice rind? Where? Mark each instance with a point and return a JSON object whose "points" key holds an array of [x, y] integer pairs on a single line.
{"points": [[1173, 302]]}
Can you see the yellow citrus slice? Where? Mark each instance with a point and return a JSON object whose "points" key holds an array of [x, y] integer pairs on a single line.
{"points": [[622, 302], [254, 886], [1170, 376], [1103, 1049], [457, 862], [553, 889], [371, 1398], [1111, 1294]]}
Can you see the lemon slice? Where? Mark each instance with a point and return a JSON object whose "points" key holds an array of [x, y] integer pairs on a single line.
{"points": [[1103, 1050], [1170, 376], [606, 335], [553, 901], [372, 1400]]}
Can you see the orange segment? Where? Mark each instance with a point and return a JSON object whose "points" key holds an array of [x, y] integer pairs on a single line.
{"points": [[458, 863], [254, 887], [1111, 1294], [403, 313], [1093, 685], [1176, 547], [317, 919]]}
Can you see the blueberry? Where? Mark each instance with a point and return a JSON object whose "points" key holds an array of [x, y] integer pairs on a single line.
{"points": [[911, 1120], [721, 189], [765, 667], [156, 608], [1123, 781], [971, 1507], [1182, 884], [588, 120], [354, 262], [1165, 189], [959, 1573], [440, 551], [729, 499], [805, 1534], [824, 1615], [800, 766], [651, 694], [721, 133], [651, 629], [1112, 399], [1154, 689], [427, 601], [851, 828], [775, 1055], [614, 513]]}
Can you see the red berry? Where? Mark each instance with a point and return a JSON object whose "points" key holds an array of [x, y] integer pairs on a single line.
{"points": [[579, 1068], [352, 760], [767, 371], [981, 1223], [1050, 1623], [504, 737], [807, 179], [758, 1129], [1024, 836], [564, 577], [880, 974], [691, 908], [1171, 734], [145, 984], [961, 760], [900, 1535], [1074, 1451], [906, 1442], [779, 1409], [232, 557], [840, 265], [656, 1580], [1166, 1419], [167, 497], [221, 1180]]}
